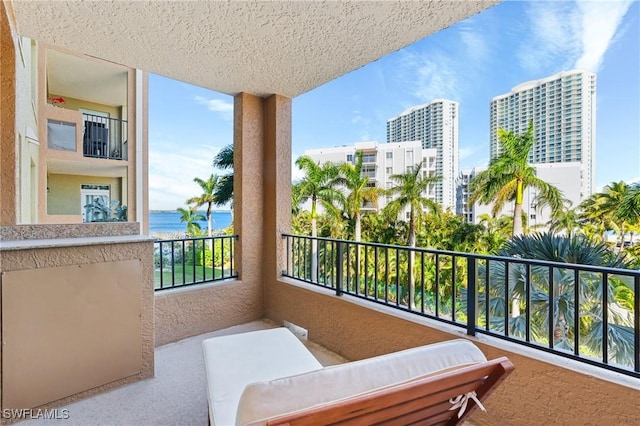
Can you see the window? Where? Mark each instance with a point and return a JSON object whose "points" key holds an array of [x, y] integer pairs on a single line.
{"points": [[369, 171], [349, 158], [389, 155], [409, 155], [389, 170], [369, 158], [61, 135]]}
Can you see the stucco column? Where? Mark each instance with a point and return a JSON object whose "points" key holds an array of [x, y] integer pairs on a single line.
{"points": [[277, 183], [248, 161], [7, 122]]}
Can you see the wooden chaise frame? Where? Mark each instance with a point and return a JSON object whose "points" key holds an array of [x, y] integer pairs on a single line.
{"points": [[424, 401]]}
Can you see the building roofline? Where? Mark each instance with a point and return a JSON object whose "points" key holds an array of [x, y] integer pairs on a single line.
{"points": [[417, 107], [533, 83]]}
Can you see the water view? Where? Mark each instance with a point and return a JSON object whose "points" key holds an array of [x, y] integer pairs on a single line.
{"points": [[168, 222]]}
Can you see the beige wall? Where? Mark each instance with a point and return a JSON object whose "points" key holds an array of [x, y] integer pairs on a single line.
{"points": [[76, 104], [100, 253], [85, 318], [536, 393], [191, 311], [63, 196], [277, 182], [7, 121]]}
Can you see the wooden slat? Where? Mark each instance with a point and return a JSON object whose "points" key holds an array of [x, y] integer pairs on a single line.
{"points": [[423, 401]]}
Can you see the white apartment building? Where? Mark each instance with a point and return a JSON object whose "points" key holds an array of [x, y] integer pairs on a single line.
{"points": [[564, 176], [563, 110], [382, 160], [435, 124]]}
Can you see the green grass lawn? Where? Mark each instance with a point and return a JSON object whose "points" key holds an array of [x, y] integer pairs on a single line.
{"points": [[201, 273]]}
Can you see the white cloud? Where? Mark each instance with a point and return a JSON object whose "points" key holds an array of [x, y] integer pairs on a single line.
{"points": [[224, 108], [475, 44], [171, 173], [363, 124], [442, 71], [571, 34], [600, 21], [466, 152], [430, 75]]}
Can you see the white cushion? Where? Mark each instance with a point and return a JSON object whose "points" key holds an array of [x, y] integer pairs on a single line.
{"points": [[264, 400], [232, 362]]}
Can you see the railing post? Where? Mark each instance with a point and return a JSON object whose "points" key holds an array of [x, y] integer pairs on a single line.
{"points": [[636, 323], [339, 274], [471, 295]]}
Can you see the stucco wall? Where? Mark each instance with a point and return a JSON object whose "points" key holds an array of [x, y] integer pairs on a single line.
{"points": [[190, 311], [536, 393], [7, 122], [76, 104], [63, 196], [23, 248]]}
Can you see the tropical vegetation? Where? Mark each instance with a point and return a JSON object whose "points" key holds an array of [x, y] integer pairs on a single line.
{"points": [[509, 174], [339, 201], [206, 198], [190, 218], [420, 280]]}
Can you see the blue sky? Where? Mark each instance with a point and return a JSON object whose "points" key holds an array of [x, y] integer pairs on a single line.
{"points": [[471, 62]]}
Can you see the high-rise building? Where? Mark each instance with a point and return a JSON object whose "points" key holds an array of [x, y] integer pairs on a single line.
{"points": [[435, 125], [562, 108]]}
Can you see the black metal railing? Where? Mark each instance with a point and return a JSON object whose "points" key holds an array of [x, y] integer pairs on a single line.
{"points": [[187, 261], [586, 313], [104, 137]]}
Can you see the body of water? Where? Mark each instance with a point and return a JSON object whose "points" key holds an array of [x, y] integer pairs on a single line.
{"points": [[168, 222]]}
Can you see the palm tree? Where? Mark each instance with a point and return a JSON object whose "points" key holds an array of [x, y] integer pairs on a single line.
{"points": [[509, 174], [629, 208], [317, 185], [207, 197], [602, 208], [409, 190], [224, 190], [359, 190], [566, 220], [191, 218], [574, 249]]}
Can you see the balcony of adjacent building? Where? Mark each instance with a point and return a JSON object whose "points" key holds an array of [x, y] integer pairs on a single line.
{"points": [[85, 104], [88, 137]]}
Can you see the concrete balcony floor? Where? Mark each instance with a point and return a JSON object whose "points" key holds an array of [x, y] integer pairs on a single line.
{"points": [[177, 394]]}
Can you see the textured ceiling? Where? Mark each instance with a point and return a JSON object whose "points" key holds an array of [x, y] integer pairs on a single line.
{"points": [[80, 78], [284, 47]]}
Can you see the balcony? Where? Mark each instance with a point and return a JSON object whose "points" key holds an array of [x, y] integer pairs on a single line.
{"points": [[548, 306], [72, 135], [345, 318], [104, 137], [545, 388]]}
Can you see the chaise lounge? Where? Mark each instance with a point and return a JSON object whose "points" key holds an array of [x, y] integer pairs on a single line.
{"points": [[269, 377]]}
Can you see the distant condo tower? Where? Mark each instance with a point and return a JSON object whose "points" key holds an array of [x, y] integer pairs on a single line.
{"points": [[563, 110], [435, 124]]}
